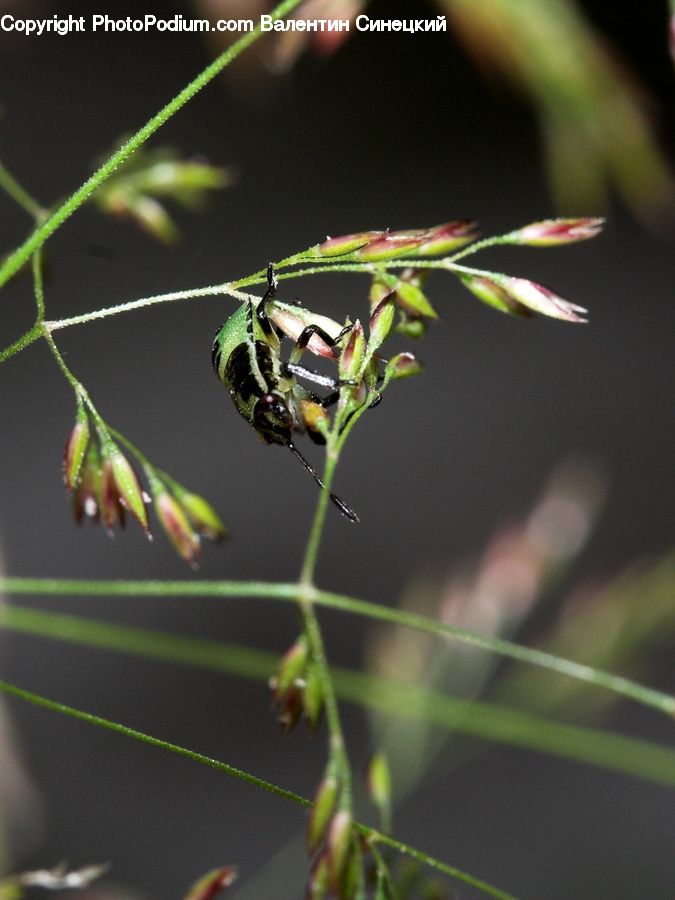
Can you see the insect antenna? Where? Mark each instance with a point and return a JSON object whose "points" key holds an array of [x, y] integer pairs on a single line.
{"points": [[341, 505]]}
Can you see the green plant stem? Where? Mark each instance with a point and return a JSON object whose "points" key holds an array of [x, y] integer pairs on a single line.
{"points": [[210, 291], [20, 195], [370, 833], [425, 860], [90, 719], [14, 262], [316, 531], [80, 391], [38, 284], [476, 718], [30, 337], [229, 289], [306, 590], [289, 592]]}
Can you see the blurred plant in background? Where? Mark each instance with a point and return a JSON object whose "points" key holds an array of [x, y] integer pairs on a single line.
{"points": [[521, 579], [597, 127], [150, 176]]}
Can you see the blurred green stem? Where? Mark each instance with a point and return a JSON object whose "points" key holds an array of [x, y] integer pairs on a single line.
{"points": [[476, 718], [20, 195]]}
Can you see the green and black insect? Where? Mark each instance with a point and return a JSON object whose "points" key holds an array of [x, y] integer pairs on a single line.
{"points": [[246, 357]]}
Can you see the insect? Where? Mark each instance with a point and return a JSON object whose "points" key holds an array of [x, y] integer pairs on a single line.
{"points": [[246, 357]]}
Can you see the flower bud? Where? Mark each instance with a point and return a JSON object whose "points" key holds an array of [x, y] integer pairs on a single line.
{"points": [[338, 845], [203, 516], [291, 709], [291, 666], [381, 322], [390, 246], [128, 488], [352, 874], [403, 365], [321, 812], [445, 238], [412, 300], [553, 232], [151, 216], [348, 243], [318, 884], [379, 290], [87, 499], [136, 185], [75, 450], [175, 523], [351, 357], [521, 296], [211, 885], [412, 328], [112, 511]]}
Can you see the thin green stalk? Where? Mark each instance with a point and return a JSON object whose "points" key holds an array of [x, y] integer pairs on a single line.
{"points": [[76, 385], [446, 263], [229, 289], [425, 860], [38, 284], [350, 262], [80, 390], [316, 531], [289, 592], [30, 337], [14, 262], [210, 291], [476, 718], [20, 195], [370, 833], [305, 591], [501, 239], [90, 719]]}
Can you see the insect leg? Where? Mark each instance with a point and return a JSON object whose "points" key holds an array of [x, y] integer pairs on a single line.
{"points": [[330, 399], [316, 377], [306, 335], [261, 309]]}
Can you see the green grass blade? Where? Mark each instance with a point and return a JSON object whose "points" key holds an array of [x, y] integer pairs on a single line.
{"points": [[487, 721]]}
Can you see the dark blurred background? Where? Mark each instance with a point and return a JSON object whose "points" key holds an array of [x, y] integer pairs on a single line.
{"points": [[392, 131]]}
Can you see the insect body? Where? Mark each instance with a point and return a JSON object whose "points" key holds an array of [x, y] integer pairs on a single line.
{"points": [[246, 357]]}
